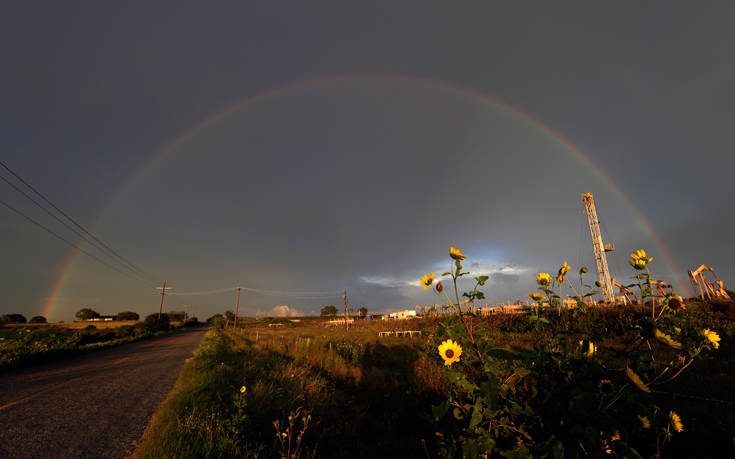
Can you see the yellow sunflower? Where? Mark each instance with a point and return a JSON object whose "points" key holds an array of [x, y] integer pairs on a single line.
{"points": [[456, 254], [645, 423], [450, 352], [639, 259], [712, 337], [535, 296], [675, 421], [666, 339], [543, 279], [427, 280], [564, 269], [243, 389]]}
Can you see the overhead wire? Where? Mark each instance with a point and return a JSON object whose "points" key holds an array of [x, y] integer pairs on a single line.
{"points": [[69, 227], [281, 293], [53, 233], [122, 259]]}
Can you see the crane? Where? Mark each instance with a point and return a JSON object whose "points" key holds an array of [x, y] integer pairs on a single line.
{"points": [[606, 285]]}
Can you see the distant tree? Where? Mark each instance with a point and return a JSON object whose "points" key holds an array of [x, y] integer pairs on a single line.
{"points": [[230, 316], [86, 314], [37, 320], [128, 315], [177, 315], [154, 323], [363, 311], [329, 310], [13, 319]]}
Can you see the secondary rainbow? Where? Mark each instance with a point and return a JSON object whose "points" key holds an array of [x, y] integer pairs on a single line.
{"points": [[50, 302]]}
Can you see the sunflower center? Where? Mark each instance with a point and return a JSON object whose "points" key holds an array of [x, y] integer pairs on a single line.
{"points": [[449, 353]]}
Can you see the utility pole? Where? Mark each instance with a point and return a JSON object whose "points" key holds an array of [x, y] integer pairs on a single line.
{"points": [[163, 293], [602, 270], [237, 305], [347, 325]]}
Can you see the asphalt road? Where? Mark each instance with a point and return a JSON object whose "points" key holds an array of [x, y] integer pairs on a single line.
{"points": [[94, 405]]}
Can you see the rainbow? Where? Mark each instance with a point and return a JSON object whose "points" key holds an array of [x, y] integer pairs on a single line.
{"points": [[157, 157]]}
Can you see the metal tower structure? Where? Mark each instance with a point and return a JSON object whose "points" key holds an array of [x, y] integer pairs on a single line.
{"points": [[607, 288]]}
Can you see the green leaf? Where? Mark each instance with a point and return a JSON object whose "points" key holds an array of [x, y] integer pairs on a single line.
{"points": [[448, 273], [440, 410], [476, 415], [481, 280]]}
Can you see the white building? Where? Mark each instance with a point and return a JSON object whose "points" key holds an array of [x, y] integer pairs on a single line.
{"points": [[407, 314]]}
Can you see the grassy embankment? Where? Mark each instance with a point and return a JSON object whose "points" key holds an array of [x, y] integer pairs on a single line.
{"points": [[371, 397], [24, 344]]}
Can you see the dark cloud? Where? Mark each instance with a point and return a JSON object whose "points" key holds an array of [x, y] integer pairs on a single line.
{"points": [[361, 183]]}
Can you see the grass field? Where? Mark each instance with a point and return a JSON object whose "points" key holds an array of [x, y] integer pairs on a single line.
{"points": [[369, 396]]}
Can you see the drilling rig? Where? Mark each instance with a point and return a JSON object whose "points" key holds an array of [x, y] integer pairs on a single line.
{"points": [[606, 285]]}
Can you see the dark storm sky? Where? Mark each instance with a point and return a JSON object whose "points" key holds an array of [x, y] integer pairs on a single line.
{"points": [[360, 182]]}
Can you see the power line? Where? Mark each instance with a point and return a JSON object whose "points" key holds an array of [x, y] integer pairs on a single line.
{"points": [[67, 241], [69, 227], [120, 257], [281, 293]]}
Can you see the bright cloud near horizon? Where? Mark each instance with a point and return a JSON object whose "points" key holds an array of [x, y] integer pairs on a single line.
{"points": [[300, 150]]}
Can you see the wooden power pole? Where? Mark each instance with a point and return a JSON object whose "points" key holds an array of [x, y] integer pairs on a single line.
{"points": [[347, 324], [602, 270], [237, 305], [163, 293]]}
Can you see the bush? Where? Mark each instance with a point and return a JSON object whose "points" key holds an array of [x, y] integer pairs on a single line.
{"points": [[13, 319], [217, 320], [37, 320], [128, 315], [154, 323]]}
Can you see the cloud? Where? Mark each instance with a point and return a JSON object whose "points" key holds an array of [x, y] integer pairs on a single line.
{"points": [[388, 281], [502, 278], [281, 311]]}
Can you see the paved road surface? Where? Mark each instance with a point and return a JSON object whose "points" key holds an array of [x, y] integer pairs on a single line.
{"points": [[94, 405]]}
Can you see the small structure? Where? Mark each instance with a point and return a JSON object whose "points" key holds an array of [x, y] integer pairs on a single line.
{"points": [[337, 322], [406, 314], [102, 319], [409, 333]]}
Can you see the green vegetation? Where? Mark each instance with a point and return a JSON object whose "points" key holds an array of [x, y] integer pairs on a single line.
{"points": [[13, 319], [37, 320], [154, 322], [370, 396], [127, 315], [330, 310]]}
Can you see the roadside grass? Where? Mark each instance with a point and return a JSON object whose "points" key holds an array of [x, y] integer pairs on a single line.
{"points": [[366, 398]]}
